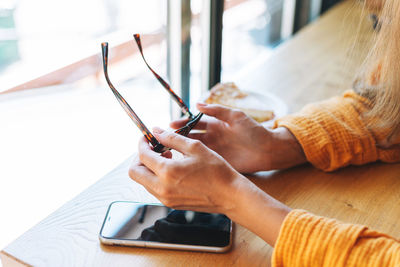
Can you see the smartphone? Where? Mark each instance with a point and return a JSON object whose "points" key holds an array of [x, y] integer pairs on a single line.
{"points": [[157, 226]]}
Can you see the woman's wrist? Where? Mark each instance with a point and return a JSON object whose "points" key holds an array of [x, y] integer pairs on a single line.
{"points": [[255, 210], [283, 150]]}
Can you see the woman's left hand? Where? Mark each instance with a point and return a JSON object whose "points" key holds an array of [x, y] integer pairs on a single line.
{"points": [[202, 180]]}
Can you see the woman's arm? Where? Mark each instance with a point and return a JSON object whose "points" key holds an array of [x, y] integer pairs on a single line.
{"points": [[335, 133], [203, 181], [309, 240], [330, 134], [244, 143]]}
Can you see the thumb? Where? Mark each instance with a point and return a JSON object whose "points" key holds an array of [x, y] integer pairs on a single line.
{"points": [[218, 111]]}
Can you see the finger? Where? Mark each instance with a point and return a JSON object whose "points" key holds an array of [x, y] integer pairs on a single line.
{"points": [[197, 136], [178, 123], [136, 161], [142, 175], [173, 140], [148, 157], [218, 111], [201, 125], [167, 154]]}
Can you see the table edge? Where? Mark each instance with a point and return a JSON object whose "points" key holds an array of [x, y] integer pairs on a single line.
{"points": [[9, 260]]}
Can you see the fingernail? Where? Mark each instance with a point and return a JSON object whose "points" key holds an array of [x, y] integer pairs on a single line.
{"points": [[157, 130], [200, 104]]}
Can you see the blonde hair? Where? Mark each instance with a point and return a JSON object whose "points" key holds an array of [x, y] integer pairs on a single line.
{"points": [[381, 71]]}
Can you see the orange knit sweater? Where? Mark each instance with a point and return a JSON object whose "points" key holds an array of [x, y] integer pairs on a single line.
{"points": [[333, 134]]}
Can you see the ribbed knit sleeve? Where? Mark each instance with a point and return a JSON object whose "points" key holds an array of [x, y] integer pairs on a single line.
{"points": [[309, 240], [333, 133]]}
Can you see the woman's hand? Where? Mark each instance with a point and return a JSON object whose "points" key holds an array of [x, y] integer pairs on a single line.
{"points": [[203, 181], [244, 143]]}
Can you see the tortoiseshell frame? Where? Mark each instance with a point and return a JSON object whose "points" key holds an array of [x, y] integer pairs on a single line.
{"points": [[157, 146], [177, 99]]}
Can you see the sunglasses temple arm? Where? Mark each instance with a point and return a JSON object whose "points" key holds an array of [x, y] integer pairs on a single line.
{"points": [[149, 136], [177, 99]]}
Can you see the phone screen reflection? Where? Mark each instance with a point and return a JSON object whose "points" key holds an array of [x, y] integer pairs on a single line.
{"points": [[136, 221]]}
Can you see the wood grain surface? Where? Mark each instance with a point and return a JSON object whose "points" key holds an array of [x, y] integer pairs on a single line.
{"points": [[314, 65]]}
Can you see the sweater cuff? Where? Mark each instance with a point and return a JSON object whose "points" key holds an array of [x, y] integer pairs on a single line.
{"points": [[310, 135], [309, 240], [332, 133]]}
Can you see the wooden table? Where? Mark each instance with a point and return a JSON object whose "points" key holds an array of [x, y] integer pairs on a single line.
{"points": [[318, 63]]}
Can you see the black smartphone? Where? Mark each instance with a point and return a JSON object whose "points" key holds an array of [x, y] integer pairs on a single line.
{"points": [[157, 226]]}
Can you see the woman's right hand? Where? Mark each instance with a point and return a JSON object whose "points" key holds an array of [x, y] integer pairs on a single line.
{"points": [[244, 143], [201, 180]]}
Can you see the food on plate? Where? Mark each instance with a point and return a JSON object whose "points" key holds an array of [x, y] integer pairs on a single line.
{"points": [[229, 95]]}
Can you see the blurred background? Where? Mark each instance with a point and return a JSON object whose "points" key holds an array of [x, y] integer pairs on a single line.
{"points": [[61, 128]]}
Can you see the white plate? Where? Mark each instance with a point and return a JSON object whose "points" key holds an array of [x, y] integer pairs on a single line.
{"points": [[261, 101]]}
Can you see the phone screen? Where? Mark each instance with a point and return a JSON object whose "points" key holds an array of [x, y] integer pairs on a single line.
{"points": [[153, 222]]}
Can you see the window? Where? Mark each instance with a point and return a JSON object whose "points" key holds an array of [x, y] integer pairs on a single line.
{"points": [[59, 139]]}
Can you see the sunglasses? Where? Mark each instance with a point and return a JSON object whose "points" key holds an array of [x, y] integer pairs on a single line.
{"points": [[157, 146]]}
